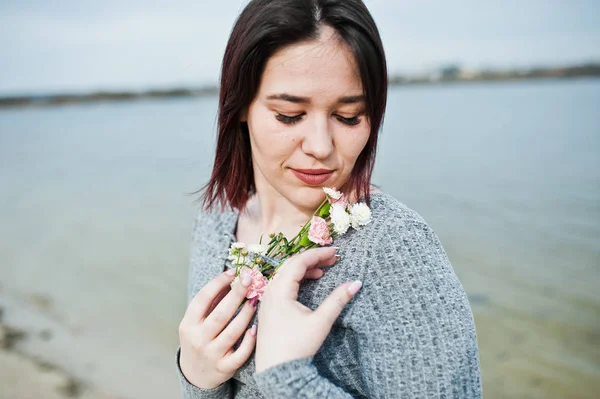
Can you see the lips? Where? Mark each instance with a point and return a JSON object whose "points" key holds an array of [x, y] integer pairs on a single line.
{"points": [[313, 177]]}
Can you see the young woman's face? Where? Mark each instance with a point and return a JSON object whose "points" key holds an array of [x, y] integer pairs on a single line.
{"points": [[307, 123]]}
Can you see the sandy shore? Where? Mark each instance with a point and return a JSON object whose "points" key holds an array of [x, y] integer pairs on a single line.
{"points": [[28, 337], [44, 356], [23, 377]]}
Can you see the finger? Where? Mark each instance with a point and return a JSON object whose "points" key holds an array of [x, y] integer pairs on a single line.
{"points": [[199, 305], [313, 274], [331, 261], [235, 328], [224, 311], [236, 359], [318, 272], [294, 269], [218, 299], [332, 306]]}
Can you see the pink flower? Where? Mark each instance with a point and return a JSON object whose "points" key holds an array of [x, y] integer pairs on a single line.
{"points": [[319, 231], [335, 197], [258, 284]]}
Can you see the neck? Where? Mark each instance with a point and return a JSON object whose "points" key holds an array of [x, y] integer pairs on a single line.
{"points": [[270, 212]]}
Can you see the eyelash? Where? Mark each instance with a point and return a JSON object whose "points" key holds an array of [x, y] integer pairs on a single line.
{"points": [[290, 120]]}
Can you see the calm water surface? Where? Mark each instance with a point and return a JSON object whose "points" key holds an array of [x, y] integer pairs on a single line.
{"points": [[96, 219]]}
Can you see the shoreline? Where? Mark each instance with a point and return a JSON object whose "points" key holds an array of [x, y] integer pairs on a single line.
{"points": [[28, 337], [448, 75]]}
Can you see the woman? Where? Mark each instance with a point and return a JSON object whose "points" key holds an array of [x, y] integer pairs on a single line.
{"points": [[303, 93]]}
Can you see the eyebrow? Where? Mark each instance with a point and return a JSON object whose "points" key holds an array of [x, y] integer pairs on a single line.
{"points": [[306, 100]]}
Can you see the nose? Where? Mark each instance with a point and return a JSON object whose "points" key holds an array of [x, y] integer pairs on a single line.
{"points": [[318, 139]]}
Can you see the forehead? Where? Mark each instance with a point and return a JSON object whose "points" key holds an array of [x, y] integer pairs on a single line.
{"points": [[323, 68]]}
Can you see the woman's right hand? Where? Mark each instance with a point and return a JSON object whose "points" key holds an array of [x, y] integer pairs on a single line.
{"points": [[207, 358]]}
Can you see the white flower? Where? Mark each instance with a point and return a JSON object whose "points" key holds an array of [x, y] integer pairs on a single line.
{"points": [[332, 193], [360, 214], [339, 218], [257, 249], [239, 260], [238, 254]]}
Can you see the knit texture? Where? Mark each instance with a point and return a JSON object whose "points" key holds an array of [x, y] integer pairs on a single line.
{"points": [[408, 333]]}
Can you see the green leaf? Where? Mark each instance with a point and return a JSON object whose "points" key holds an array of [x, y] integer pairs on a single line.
{"points": [[324, 212], [304, 242]]}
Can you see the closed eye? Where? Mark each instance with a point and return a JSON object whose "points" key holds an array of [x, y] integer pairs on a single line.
{"points": [[355, 120], [288, 120]]}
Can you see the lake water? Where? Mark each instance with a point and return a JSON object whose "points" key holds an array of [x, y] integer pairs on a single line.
{"points": [[95, 222]]}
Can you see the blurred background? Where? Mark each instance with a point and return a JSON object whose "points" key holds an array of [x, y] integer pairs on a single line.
{"points": [[107, 123]]}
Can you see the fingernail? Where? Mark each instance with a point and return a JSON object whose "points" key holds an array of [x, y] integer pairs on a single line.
{"points": [[246, 280], [230, 272], [253, 330], [338, 257], [336, 248], [354, 287]]}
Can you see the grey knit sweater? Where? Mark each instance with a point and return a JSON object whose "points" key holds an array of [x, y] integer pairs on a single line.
{"points": [[408, 333]]}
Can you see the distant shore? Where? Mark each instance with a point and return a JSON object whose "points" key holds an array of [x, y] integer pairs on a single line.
{"points": [[449, 74]]}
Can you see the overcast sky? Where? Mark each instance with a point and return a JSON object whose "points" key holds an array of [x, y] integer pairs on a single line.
{"points": [[114, 44]]}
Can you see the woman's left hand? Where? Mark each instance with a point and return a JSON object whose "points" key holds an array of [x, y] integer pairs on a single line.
{"points": [[288, 330]]}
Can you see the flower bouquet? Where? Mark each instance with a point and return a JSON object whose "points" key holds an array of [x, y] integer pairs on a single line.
{"points": [[331, 219]]}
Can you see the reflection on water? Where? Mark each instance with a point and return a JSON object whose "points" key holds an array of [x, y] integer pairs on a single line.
{"points": [[95, 216]]}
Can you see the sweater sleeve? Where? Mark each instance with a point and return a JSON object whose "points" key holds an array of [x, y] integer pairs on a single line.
{"points": [[297, 379], [188, 390], [413, 327]]}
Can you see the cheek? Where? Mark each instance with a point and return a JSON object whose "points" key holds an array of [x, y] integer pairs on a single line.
{"points": [[270, 141], [352, 145]]}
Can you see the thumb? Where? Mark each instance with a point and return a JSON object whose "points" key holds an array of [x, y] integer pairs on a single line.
{"points": [[333, 305], [295, 268]]}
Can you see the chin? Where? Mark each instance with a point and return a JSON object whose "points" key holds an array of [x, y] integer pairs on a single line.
{"points": [[309, 196]]}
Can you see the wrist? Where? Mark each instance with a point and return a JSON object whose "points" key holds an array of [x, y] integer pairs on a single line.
{"points": [[189, 374]]}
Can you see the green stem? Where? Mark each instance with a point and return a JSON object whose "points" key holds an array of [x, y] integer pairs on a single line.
{"points": [[307, 224], [291, 246]]}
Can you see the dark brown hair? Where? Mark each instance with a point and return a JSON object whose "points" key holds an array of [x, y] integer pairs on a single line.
{"points": [[263, 28]]}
